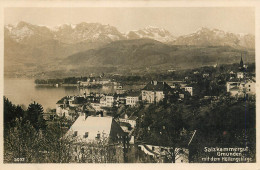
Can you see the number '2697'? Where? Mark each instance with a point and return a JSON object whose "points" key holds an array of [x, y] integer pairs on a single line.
{"points": [[19, 159]]}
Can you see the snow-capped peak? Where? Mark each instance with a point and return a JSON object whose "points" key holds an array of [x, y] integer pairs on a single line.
{"points": [[151, 32]]}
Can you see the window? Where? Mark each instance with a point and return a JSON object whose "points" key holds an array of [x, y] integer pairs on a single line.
{"points": [[152, 148], [248, 85], [98, 136], [181, 151], [75, 133], [162, 149], [86, 135]]}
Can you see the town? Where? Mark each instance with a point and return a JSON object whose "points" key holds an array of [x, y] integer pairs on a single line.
{"points": [[114, 120], [167, 120]]}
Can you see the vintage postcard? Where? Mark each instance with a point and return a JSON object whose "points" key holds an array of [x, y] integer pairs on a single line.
{"points": [[87, 83]]}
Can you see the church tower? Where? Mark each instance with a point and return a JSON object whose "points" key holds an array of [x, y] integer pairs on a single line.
{"points": [[241, 65], [241, 62]]}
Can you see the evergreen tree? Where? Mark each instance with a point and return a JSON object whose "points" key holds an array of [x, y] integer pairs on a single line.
{"points": [[35, 116], [11, 112]]}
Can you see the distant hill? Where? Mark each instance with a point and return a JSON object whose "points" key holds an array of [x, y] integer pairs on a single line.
{"points": [[142, 53], [30, 49]]}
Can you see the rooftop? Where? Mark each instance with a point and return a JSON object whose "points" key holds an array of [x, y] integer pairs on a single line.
{"points": [[92, 125], [157, 86]]}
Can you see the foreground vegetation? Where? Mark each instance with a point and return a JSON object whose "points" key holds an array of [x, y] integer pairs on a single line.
{"points": [[223, 123]]}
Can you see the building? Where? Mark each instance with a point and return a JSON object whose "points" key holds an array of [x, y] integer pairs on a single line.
{"points": [[236, 92], [240, 75], [232, 75], [155, 91], [132, 98], [205, 75], [241, 89], [120, 99], [250, 87], [241, 65], [189, 89], [159, 153], [103, 102], [178, 154], [68, 106], [110, 100], [196, 72], [103, 135], [131, 120], [232, 84]]}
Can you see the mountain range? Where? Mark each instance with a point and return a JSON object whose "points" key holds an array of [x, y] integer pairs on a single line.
{"points": [[33, 48]]}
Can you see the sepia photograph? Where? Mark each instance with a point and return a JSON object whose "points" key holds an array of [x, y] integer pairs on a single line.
{"points": [[129, 85]]}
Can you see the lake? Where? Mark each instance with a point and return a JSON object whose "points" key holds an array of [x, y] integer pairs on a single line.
{"points": [[24, 92]]}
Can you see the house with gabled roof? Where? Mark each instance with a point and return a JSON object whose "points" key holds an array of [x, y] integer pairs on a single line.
{"points": [[92, 128], [161, 153], [155, 91], [96, 132]]}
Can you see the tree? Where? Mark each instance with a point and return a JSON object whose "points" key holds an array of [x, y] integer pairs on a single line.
{"points": [[57, 144], [23, 143], [35, 116], [20, 143], [226, 123], [161, 125], [11, 112]]}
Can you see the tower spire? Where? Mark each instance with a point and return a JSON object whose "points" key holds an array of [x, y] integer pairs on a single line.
{"points": [[241, 62], [241, 65]]}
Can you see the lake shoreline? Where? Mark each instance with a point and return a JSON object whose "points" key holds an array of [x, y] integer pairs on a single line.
{"points": [[57, 85]]}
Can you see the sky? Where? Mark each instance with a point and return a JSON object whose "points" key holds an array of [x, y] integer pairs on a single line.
{"points": [[177, 20]]}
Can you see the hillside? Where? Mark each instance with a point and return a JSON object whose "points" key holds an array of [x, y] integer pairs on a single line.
{"points": [[146, 53]]}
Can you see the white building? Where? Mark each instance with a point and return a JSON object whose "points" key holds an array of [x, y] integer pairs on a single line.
{"points": [[131, 120], [94, 133], [205, 75], [110, 101], [241, 89], [250, 87], [132, 100], [240, 75], [189, 89], [89, 129], [231, 85]]}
